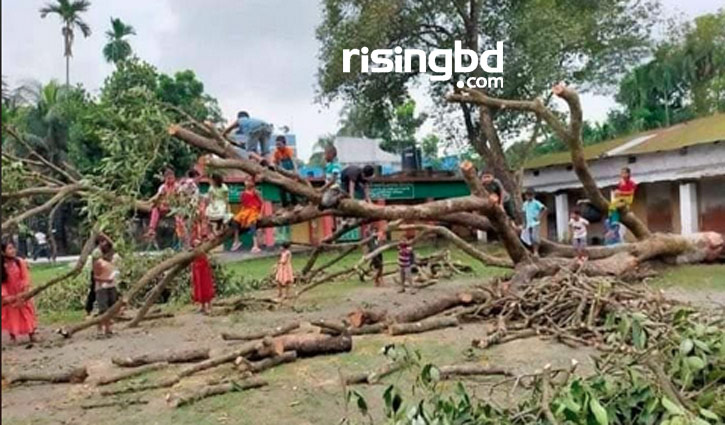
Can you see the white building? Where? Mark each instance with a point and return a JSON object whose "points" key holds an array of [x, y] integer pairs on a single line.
{"points": [[680, 171], [361, 151]]}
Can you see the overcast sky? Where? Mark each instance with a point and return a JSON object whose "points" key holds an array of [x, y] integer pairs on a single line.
{"points": [[258, 55]]}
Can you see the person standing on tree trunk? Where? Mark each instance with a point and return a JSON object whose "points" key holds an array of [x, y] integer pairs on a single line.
{"points": [[284, 158], [405, 262], [533, 213], [252, 137], [18, 317], [578, 227]]}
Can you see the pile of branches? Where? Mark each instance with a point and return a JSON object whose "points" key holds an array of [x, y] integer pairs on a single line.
{"points": [[577, 310]]}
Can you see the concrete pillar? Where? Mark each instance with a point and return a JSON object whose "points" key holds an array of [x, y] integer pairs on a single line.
{"points": [[561, 203], [689, 219]]}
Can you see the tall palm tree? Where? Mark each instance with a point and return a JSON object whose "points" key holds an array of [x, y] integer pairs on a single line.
{"points": [[69, 12], [117, 48]]}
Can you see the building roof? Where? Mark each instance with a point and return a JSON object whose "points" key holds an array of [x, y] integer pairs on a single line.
{"points": [[357, 150], [701, 130]]}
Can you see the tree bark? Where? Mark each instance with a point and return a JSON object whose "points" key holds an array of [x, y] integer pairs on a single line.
{"points": [[375, 376], [430, 324], [184, 356], [229, 357]]}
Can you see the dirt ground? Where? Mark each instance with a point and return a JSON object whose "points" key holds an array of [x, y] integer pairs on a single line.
{"points": [[305, 392]]}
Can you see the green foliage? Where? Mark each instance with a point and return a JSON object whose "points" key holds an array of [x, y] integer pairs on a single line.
{"points": [[118, 48], [621, 391]]}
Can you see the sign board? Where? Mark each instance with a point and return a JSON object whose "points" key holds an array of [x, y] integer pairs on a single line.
{"points": [[392, 191]]}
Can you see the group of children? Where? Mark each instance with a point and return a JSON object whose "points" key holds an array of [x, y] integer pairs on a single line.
{"points": [[533, 211]]}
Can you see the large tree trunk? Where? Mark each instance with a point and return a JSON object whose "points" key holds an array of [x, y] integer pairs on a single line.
{"points": [[184, 356]]}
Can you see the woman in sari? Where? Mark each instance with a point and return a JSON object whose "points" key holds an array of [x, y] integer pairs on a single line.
{"points": [[18, 315]]}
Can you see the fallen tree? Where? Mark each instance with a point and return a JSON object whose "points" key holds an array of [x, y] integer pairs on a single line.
{"points": [[182, 356]]}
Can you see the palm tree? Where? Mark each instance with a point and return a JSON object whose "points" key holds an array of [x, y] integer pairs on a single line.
{"points": [[117, 48], [69, 12]]}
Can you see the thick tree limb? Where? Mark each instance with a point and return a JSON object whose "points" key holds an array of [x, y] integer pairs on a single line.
{"points": [[156, 293], [58, 197], [485, 259], [426, 325]]}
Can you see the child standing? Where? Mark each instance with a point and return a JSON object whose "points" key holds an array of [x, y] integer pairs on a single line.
{"points": [[533, 211], [377, 261], [578, 228], [285, 275], [246, 218], [18, 316], [105, 275], [217, 209], [405, 262]]}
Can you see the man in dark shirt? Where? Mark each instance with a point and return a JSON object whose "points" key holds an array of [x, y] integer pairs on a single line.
{"points": [[356, 180], [499, 195]]}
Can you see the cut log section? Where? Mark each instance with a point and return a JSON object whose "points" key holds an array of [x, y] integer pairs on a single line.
{"points": [[306, 345], [362, 317], [244, 351], [185, 356], [131, 373], [442, 303], [369, 329], [337, 328], [472, 369], [268, 363], [423, 326], [279, 330], [73, 376], [214, 390]]}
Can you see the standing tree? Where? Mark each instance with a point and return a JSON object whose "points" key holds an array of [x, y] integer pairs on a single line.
{"points": [[583, 43], [69, 13], [118, 48]]}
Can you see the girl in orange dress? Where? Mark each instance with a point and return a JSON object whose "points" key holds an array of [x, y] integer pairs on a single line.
{"points": [[18, 316], [285, 275]]}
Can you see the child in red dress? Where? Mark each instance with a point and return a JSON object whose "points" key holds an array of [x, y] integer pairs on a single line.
{"points": [[18, 316]]}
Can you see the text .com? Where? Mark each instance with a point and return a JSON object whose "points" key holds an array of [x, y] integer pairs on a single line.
{"points": [[441, 64]]}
